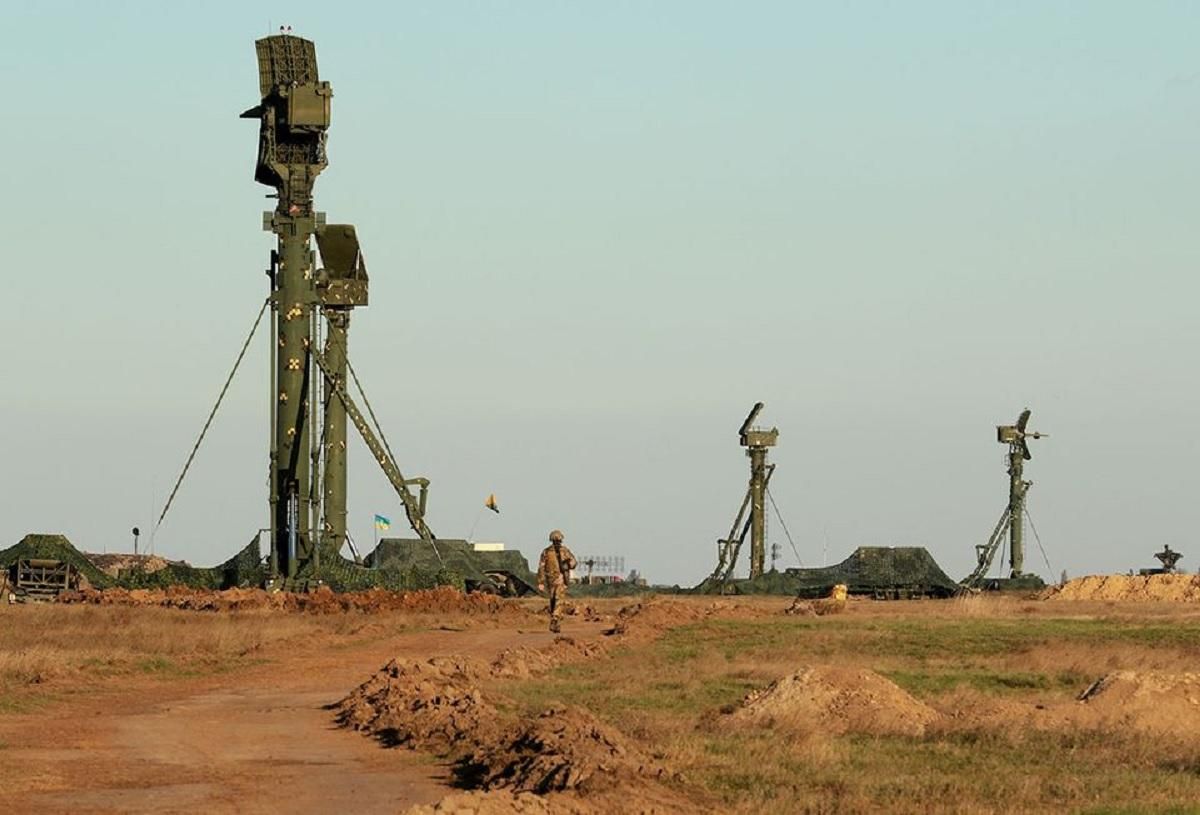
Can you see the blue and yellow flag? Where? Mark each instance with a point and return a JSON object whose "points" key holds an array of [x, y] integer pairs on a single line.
{"points": [[383, 524]]}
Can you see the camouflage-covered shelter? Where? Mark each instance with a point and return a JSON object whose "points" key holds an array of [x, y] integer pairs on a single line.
{"points": [[53, 547], [457, 556], [874, 571]]}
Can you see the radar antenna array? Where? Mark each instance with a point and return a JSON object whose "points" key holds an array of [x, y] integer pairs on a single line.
{"points": [[1011, 525], [757, 442]]}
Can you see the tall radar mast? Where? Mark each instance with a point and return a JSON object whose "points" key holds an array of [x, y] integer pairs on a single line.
{"points": [[293, 120]]}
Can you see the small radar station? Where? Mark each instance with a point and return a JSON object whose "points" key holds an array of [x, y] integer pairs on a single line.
{"points": [[1012, 520], [757, 442]]}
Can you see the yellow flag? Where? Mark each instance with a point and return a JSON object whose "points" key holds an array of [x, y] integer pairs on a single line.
{"points": [[491, 504]]}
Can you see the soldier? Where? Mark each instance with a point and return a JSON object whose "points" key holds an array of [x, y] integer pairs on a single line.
{"points": [[554, 569]]}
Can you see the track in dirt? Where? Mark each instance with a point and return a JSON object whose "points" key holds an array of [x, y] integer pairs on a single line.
{"points": [[258, 741]]}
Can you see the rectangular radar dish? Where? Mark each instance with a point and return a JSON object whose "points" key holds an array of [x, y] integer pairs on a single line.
{"points": [[340, 251], [345, 268], [285, 60]]}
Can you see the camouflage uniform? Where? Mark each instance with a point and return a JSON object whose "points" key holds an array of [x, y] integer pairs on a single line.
{"points": [[556, 563]]}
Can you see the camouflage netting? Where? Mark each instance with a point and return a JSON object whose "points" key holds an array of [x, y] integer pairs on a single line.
{"points": [[341, 574], [248, 569], [457, 557], [54, 547], [406, 553], [872, 570], [510, 560], [243, 570]]}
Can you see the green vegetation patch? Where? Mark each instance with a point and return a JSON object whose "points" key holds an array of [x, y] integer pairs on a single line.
{"points": [[928, 683], [920, 640]]}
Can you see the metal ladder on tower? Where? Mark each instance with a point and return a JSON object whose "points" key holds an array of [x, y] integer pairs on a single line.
{"points": [[987, 552], [412, 506]]}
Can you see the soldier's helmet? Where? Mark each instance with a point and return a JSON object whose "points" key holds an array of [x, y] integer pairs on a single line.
{"points": [[556, 536]]}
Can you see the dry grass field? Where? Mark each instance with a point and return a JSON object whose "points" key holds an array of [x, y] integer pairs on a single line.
{"points": [[1001, 678], [923, 706]]}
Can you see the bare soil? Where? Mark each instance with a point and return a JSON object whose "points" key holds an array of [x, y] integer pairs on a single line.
{"points": [[112, 564], [835, 700], [256, 739], [524, 661], [1173, 588], [321, 601], [562, 749], [433, 705], [1166, 703], [184, 701]]}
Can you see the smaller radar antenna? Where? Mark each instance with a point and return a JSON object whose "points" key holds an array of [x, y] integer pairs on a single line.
{"points": [[1011, 524], [757, 442], [1168, 557]]}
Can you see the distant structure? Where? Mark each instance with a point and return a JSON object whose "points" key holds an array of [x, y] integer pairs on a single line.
{"points": [[1012, 521], [880, 572], [757, 442], [1168, 557], [601, 569]]}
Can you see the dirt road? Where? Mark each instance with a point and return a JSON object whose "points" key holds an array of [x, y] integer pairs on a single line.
{"points": [[257, 740]]}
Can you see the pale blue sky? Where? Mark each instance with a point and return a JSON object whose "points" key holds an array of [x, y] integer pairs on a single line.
{"points": [[597, 233]]}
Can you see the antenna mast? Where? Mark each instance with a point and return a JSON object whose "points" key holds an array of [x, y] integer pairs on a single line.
{"points": [[1012, 520], [1016, 436], [757, 442], [293, 119]]}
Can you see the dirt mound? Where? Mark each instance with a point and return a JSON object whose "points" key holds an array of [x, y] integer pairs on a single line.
{"points": [[562, 749], [814, 608], [645, 620], [444, 599], [837, 701], [112, 564], [433, 705], [523, 662], [591, 614], [441, 600], [651, 617], [1177, 588], [501, 802], [657, 615], [1158, 702]]}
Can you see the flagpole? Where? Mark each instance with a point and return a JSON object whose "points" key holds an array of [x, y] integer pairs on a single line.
{"points": [[478, 515]]}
